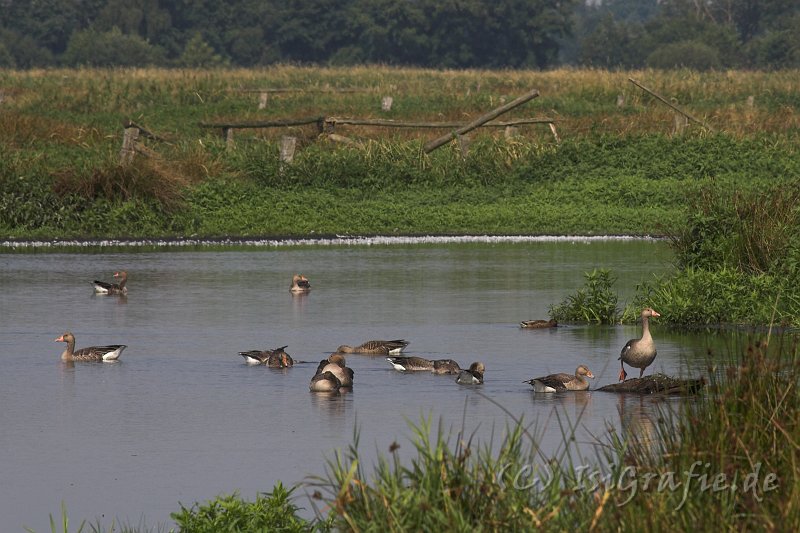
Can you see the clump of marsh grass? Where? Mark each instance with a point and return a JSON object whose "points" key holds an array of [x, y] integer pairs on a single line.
{"points": [[273, 511], [595, 302], [153, 178]]}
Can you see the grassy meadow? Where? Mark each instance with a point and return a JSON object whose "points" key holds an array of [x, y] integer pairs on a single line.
{"points": [[618, 167]]}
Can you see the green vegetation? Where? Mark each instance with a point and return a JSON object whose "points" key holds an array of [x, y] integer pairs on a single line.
{"points": [[270, 512], [616, 169], [594, 303]]}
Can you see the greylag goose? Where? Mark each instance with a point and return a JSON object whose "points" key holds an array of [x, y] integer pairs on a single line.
{"points": [[376, 347], [103, 287], [277, 358], [641, 352], [324, 382], [335, 364], [538, 324], [300, 284], [418, 364], [90, 353], [472, 376], [563, 382]]}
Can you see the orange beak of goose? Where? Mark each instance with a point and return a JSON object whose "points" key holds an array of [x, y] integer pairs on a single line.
{"points": [[60, 339]]}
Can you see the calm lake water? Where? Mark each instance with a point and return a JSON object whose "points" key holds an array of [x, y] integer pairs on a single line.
{"points": [[181, 418]]}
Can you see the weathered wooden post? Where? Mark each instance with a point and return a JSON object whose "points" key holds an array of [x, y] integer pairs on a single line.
{"points": [[228, 132], [386, 103], [128, 145], [510, 132], [680, 124], [262, 100], [555, 133], [751, 101], [287, 147], [463, 145], [620, 100]]}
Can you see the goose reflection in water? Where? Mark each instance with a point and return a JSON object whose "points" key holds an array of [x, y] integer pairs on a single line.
{"points": [[335, 405], [638, 416]]}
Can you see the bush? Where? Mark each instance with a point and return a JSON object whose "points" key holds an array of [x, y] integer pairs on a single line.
{"points": [[111, 48], [270, 512], [595, 302], [685, 54]]}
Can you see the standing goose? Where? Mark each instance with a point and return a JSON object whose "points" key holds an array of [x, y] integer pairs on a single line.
{"points": [[640, 352], [103, 287], [300, 284], [376, 347], [538, 324], [562, 382], [277, 358], [335, 364], [473, 375], [418, 364], [91, 353]]}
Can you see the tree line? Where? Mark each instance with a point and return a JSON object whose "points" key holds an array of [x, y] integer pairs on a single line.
{"points": [[539, 34]]}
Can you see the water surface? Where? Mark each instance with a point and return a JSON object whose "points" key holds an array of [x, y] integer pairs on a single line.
{"points": [[181, 418]]}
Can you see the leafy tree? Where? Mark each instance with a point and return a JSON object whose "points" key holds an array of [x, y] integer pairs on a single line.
{"points": [[6, 59], [685, 54], [198, 53], [312, 30], [613, 45], [111, 48], [24, 50]]}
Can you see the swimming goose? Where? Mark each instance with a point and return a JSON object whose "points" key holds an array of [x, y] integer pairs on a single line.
{"points": [[472, 376], [103, 287], [90, 353], [376, 347], [277, 358], [300, 284], [335, 364], [538, 324], [324, 382], [639, 353], [418, 364], [563, 382]]}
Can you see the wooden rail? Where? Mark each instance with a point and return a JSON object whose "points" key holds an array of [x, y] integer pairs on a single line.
{"points": [[364, 122]]}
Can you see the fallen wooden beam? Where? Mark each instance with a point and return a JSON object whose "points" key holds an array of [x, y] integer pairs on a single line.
{"points": [[656, 384], [670, 104], [430, 146]]}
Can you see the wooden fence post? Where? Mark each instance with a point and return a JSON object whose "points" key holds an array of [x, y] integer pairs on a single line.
{"points": [[463, 145], [680, 124], [386, 103], [262, 100], [128, 145], [555, 133], [228, 139], [288, 145]]}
